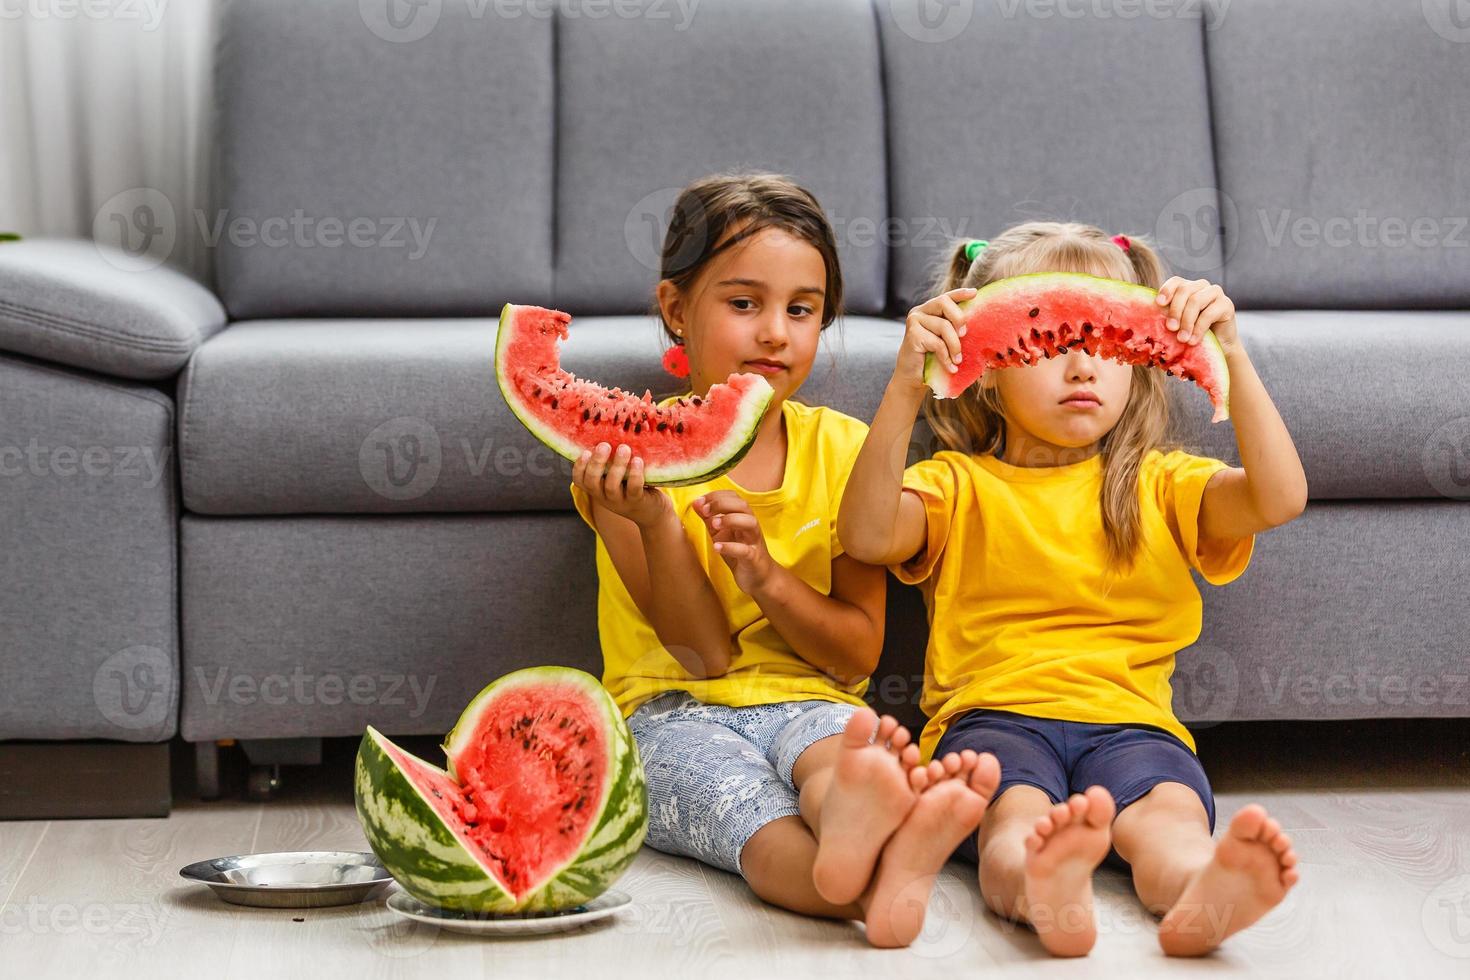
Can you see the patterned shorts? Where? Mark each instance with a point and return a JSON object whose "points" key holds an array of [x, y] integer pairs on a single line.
{"points": [[716, 774]]}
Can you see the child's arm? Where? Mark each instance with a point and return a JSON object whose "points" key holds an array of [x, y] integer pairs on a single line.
{"points": [[655, 560], [840, 633], [1270, 487], [877, 522]]}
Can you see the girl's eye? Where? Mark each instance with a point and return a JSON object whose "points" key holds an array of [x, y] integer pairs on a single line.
{"points": [[736, 303], [800, 310]]}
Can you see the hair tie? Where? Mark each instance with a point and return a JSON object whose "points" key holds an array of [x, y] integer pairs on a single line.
{"points": [[974, 248], [1122, 242], [676, 361]]}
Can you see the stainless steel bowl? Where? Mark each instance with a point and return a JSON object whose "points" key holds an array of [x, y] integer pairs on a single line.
{"points": [[291, 879]]}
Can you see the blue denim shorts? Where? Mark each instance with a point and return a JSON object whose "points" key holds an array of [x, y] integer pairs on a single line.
{"points": [[1065, 757], [717, 774]]}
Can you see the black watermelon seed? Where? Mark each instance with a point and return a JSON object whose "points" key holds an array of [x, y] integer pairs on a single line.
{"points": [[1034, 311], [678, 426]]}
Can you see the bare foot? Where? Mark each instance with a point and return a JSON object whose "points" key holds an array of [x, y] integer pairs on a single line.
{"points": [[1252, 870], [870, 794], [956, 791], [1068, 844]]}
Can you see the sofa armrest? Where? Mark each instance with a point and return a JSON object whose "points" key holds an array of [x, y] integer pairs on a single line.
{"points": [[76, 302]]}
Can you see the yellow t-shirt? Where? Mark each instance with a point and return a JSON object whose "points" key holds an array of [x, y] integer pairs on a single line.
{"points": [[798, 520], [1021, 616]]}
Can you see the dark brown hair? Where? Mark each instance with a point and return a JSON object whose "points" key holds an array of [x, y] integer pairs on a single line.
{"points": [[708, 208]]}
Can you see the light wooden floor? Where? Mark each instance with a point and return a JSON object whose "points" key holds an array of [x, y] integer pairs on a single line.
{"points": [[1383, 834]]}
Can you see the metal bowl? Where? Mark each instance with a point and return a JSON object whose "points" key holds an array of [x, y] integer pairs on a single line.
{"points": [[291, 879]]}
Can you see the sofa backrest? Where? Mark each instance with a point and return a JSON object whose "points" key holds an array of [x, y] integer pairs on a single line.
{"points": [[443, 157]]}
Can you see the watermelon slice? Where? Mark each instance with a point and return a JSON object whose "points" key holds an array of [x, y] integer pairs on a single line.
{"points": [[690, 441], [542, 806], [1021, 320]]}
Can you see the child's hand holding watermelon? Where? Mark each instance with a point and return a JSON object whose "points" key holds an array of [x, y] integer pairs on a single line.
{"points": [[614, 480], [1198, 305]]}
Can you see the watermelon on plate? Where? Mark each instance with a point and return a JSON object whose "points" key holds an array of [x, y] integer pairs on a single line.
{"points": [[691, 440], [1022, 319], [542, 805]]}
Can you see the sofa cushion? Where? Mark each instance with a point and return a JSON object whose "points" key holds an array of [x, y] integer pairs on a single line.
{"points": [[1376, 402], [380, 165], [648, 102], [1004, 112], [96, 307], [1344, 162], [329, 416]]}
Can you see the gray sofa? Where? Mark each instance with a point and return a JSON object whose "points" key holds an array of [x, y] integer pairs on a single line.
{"points": [[342, 524]]}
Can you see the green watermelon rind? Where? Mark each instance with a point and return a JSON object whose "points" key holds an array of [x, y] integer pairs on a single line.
{"points": [[426, 857], [415, 845], [615, 839], [935, 375], [730, 451]]}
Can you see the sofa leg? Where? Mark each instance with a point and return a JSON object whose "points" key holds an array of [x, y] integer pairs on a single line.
{"points": [[206, 770]]}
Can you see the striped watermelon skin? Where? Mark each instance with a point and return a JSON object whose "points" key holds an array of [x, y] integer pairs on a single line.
{"points": [[438, 864]]}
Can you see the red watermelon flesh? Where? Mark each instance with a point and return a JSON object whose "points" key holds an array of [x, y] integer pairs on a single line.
{"points": [[1022, 320], [533, 781], [691, 440]]}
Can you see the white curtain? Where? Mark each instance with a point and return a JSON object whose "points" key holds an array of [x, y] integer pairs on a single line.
{"points": [[104, 108]]}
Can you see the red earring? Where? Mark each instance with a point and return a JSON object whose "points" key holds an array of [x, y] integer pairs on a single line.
{"points": [[676, 361]]}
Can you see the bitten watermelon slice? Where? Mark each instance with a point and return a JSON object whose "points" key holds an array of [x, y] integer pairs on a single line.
{"points": [[542, 807], [689, 441], [1021, 320]]}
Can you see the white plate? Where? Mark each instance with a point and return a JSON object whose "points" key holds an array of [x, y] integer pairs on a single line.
{"points": [[508, 923]]}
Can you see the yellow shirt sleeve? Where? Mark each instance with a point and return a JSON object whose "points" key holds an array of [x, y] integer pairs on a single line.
{"points": [[937, 483], [1180, 488]]}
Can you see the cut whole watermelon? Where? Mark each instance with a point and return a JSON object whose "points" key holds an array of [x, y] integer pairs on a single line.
{"points": [[1021, 320], [542, 807], [689, 441]]}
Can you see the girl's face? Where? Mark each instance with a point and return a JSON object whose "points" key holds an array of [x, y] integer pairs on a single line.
{"points": [[1046, 422], [755, 308]]}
